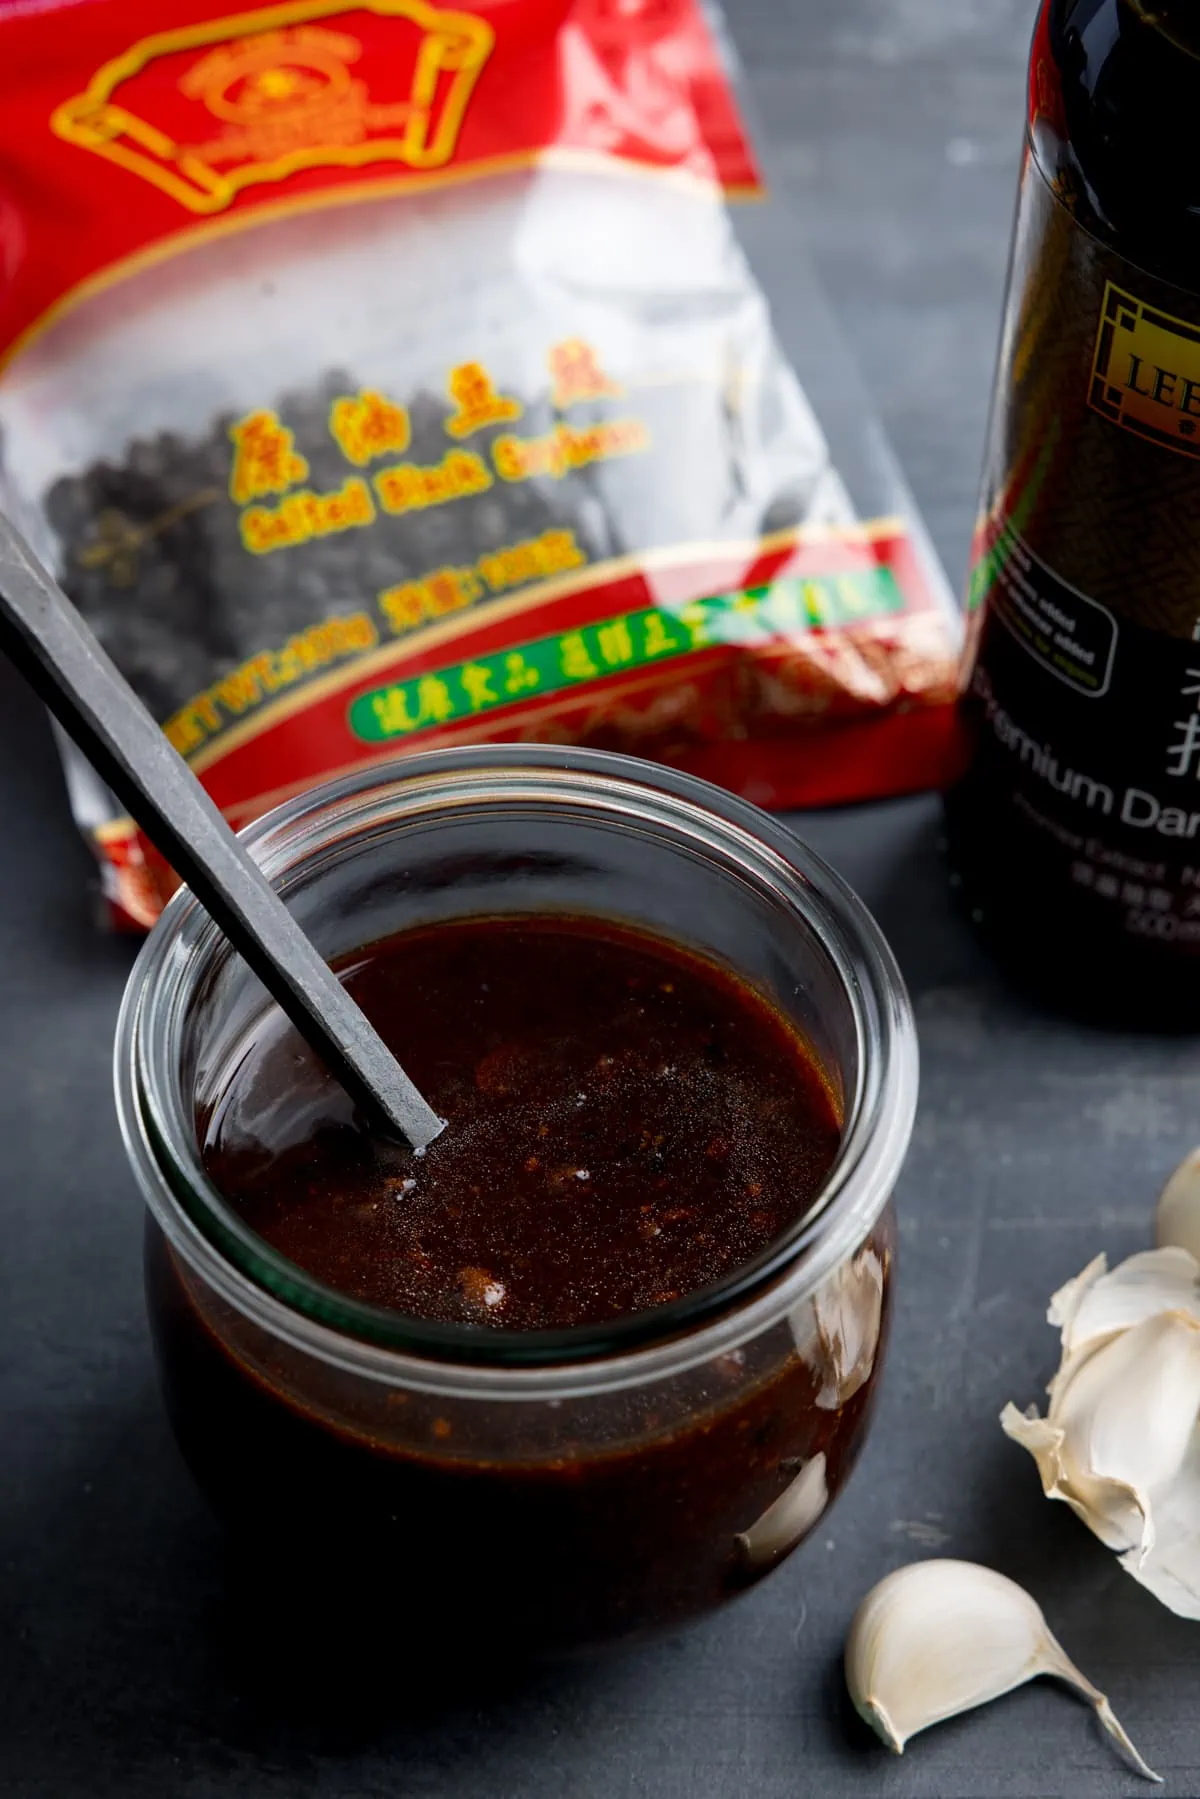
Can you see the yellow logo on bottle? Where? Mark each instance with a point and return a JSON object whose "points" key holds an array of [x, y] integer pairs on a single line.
{"points": [[210, 109], [1146, 372]]}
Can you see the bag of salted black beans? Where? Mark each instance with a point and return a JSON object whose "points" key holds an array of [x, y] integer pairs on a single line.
{"points": [[384, 374]]}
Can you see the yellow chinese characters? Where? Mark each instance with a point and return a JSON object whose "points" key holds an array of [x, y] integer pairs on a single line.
{"points": [[369, 426], [477, 685], [477, 401], [615, 643], [519, 675], [660, 640], [265, 459], [575, 659], [636, 638], [577, 375], [413, 603], [531, 560], [432, 705]]}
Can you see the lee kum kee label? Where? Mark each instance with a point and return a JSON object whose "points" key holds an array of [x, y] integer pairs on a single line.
{"points": [[1146, 375]]}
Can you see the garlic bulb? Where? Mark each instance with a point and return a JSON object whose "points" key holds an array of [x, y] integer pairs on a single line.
{"points": [[1178, 1216], [940, 1637], [1119, 1442]]}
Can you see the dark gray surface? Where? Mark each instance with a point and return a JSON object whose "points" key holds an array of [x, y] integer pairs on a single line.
{"points": [[123, 1674]]}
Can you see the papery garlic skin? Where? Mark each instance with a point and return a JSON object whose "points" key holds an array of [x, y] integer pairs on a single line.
{"points": [[938, 1638], [1177, 1219], [1098, 1303], [1119, 1442]]}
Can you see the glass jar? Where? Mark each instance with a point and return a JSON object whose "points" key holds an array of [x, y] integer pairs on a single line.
{"points": [[551, 1490]]}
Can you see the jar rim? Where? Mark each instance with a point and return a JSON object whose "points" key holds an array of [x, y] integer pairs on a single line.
{"points": [[289, 1303]]}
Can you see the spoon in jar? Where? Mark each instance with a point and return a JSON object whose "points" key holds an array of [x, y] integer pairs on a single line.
{"points": [[49, 643]]}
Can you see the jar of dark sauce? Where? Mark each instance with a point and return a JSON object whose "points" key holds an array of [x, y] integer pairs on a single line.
{"points": [[603, 1356]]}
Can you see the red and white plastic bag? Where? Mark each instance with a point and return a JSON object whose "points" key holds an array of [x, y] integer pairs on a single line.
{"points": [[387, 375]]}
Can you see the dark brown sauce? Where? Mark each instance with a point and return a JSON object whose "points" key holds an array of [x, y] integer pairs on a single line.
{"points": [[626, 1123], [675, 1124]]}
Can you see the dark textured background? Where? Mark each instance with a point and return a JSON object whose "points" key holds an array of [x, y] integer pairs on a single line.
{"points": [[896, 125]]}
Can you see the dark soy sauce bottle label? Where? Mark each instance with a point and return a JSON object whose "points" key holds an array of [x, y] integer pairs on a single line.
{"points": [[1075, 829]]}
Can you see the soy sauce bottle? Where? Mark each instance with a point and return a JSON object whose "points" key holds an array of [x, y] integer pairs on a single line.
{"points": [[1075, 830]]}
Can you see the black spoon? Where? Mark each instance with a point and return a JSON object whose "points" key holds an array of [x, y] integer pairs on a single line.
{"points": [[53, 648]]}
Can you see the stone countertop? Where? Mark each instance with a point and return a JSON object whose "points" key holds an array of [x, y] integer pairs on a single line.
{"points": [[895, 126]]}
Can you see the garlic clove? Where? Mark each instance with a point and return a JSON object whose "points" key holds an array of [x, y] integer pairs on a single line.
{"points": [[934, 1639], [791, 1516], [937, 1638], [1064, 1305], [1109, 1510], [1098, 1304], [1129, 1408], [1177, 1219], [1171, 1571]]}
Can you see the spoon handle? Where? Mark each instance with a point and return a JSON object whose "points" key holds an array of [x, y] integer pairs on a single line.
{"points": [[53, 648]]}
